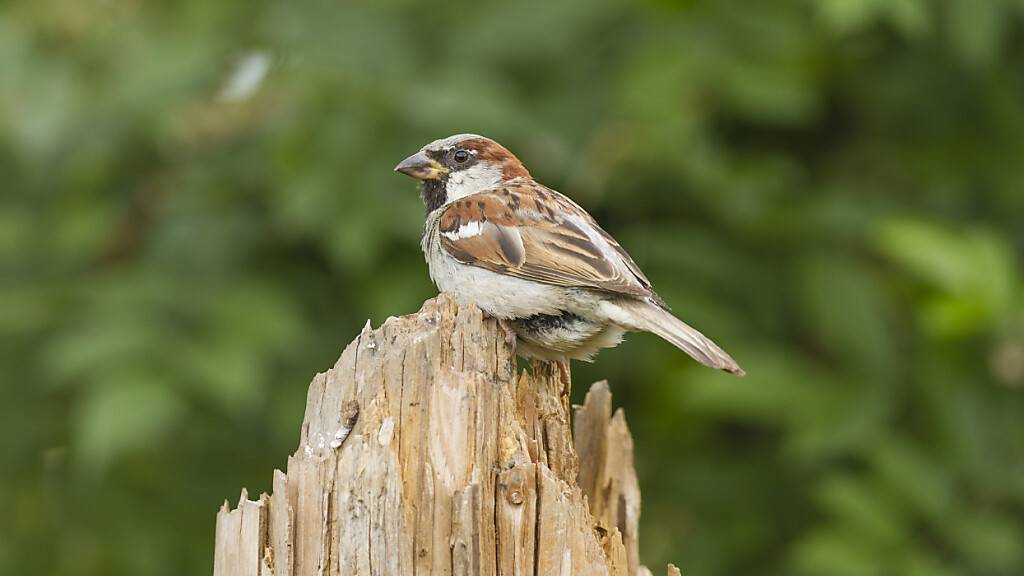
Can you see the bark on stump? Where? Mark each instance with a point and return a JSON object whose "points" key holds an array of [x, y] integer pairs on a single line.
{"points": [[423, 452]]}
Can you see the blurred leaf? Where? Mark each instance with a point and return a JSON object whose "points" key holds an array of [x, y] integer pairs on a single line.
{"points": [[129, 413], [973, 272], [834, 552], [976, 29], [861, 508], [846, 310], [782, 391], [915, 479], [990, 541], [92, 350], [847, 16], [925, 564]]}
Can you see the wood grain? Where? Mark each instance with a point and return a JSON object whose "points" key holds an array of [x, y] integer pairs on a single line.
{"points": [[423, 452]]}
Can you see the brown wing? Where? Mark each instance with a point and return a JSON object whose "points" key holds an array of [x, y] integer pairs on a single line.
{"points": [[620, 251], [535, 233]]}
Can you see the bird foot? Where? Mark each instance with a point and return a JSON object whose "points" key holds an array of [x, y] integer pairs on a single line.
{"points": [[509, 333]]}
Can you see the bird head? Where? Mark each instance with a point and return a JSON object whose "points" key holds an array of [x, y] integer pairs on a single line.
{"points": [[460, 165]]}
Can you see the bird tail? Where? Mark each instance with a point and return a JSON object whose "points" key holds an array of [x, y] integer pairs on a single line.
{"points": [[650, 317]]}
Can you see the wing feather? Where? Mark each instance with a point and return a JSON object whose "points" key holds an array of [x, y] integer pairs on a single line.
{"points": [[535, 233]]}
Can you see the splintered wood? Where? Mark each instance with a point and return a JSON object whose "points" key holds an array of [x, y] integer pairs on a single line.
{"points": [[422, 452]]}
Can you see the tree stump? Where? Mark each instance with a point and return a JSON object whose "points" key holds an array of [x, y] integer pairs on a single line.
{"points": [[423, 452]]}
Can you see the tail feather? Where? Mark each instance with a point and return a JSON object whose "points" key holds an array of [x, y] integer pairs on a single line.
{"points": [[655, 319]]}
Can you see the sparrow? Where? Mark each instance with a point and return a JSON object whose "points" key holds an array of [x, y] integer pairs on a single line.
{"points": [[524, 253]]}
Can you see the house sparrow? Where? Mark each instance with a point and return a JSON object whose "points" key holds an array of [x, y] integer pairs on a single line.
{"points": [[496, 238]]}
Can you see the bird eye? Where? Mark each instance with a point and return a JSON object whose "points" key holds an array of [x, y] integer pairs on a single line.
{"points": [[461, 156]]}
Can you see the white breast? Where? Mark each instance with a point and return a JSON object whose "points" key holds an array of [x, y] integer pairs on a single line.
{"points": [[496, 294]]}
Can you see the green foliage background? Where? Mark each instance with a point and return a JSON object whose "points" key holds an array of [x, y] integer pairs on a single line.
{"points": [[833, 189]]}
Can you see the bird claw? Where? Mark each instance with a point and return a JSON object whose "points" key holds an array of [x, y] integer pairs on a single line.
{"points": [[509, 333]]}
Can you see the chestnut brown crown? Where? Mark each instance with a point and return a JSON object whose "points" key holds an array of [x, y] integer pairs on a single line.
{"points": [[460, 152]]}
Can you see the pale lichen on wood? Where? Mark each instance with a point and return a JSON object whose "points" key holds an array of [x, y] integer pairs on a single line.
{"points": [[423, 452]]}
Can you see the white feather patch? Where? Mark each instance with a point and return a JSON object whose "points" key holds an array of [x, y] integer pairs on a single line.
{"points": [[467, 230], [472, 180]]}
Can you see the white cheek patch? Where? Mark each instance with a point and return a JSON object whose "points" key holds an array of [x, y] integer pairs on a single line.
{"points": [[467, 230], [462, 183]]}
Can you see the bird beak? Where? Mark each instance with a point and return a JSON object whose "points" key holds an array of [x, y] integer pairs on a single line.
{"points": [[421, 167]]}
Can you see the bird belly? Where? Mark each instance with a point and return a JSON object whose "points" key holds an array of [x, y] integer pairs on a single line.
{"points": [[564, 335]]}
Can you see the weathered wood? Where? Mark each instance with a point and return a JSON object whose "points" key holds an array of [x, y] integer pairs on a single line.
{"points": [[606, 475], [241, 537], [422, 452]]}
